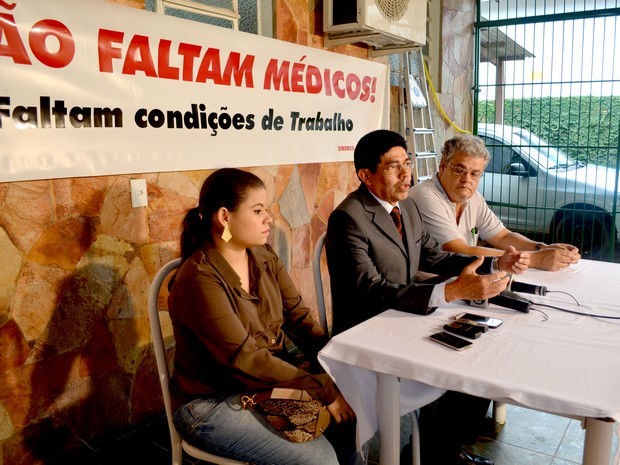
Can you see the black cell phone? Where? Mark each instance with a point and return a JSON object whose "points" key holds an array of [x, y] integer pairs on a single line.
{"points": [[464, 329], [449, 340], [474, 317]]}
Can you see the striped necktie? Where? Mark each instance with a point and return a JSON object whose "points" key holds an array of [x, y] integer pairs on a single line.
{"points": [[395, 214]]}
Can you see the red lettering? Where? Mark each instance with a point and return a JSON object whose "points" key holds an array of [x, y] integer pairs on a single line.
{"points": [[354, 86], [328, 83], [163, 61], [210, 67], [139, 57], [239, 71], [313, 80], [37, 39], [367, 82], [276, 77], [189, 52], [337, 79], [297, 77], [373, 90], [107, 52], [14, 46]]}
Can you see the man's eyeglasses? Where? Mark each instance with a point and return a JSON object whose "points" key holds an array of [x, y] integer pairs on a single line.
{"points": [[395, 167], [460, 172]]}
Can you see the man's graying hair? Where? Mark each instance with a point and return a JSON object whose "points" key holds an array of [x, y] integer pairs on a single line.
{"points": [[467, 144]]}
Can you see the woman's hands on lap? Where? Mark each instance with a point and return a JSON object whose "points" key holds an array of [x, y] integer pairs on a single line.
{"points": [[340, 410]]}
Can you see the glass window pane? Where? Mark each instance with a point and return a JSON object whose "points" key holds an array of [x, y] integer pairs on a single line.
{"points": [[250, 12], [248, 21], [226, 4], [194, 16]]}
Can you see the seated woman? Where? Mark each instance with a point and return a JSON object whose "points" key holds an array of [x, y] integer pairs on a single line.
{"points": [[230, 304]]}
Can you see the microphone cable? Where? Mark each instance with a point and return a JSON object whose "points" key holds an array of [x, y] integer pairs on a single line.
{"points": [[566, 293], [575, 312], [515, 286]]}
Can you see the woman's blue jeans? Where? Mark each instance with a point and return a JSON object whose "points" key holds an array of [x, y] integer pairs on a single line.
{"points": [[222, 427]]}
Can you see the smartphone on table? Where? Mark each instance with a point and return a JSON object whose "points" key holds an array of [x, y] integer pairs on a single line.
{"points": [[489, 321], [449, 340]]}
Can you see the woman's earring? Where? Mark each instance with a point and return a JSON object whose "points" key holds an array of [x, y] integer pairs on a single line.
{"points": [[226, 234]]}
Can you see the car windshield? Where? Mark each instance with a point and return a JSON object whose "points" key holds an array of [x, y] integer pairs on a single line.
{"points": [[542, 153]]}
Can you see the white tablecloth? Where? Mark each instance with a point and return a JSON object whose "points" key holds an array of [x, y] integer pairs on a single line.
{"points": [[567, 365]]}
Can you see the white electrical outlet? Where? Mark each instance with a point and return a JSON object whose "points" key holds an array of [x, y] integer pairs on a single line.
{"points": [[139, 197]]}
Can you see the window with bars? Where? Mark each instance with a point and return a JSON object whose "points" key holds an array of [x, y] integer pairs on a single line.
{"points": [[253, 16], [547, 83]]}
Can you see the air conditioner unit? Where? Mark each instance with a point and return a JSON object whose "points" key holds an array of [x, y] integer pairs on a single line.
{"points": [[383, 24]]}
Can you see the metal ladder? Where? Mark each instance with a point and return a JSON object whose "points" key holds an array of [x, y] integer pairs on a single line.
{"points": [[416, 119]]}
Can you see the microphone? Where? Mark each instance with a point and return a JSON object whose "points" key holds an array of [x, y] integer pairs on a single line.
{"points": [[516, 286], [507, 299], [511, 300]]}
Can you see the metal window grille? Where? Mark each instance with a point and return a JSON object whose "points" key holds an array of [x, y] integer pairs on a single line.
{"points": [[547, 103], [224, 13], [252, 16]]}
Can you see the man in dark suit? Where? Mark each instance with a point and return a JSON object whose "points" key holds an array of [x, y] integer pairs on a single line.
{"points": [[372, 269]]}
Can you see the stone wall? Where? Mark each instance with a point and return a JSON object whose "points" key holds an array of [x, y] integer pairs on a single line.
{"points": [[457, 66], [76, 364]]}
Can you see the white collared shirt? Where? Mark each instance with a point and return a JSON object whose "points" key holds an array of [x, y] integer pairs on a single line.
{"points": [[438, 296]]}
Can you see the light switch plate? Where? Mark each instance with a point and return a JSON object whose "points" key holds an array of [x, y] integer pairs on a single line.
{"points": [[139, 196]]}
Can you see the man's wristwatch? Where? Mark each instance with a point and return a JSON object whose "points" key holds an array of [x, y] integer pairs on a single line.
{"points": [[495, 264], [538, 246]]}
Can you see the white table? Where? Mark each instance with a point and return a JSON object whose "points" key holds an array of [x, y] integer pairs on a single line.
{"points": [[568, 365]]}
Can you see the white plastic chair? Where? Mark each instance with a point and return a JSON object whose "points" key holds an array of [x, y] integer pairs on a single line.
{"points": [[320, 303], [178, 444], [318, 282]]}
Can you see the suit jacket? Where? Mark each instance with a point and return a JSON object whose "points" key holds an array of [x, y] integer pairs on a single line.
{"points": [[372, 269]]}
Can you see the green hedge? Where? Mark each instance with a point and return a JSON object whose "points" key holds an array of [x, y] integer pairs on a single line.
{"points": [[584, 127]]}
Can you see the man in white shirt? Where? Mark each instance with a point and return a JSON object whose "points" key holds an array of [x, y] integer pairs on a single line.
{"points": [[456, 215], [376, 246]]}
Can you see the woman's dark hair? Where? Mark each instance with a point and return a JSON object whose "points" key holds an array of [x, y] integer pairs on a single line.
{"points": [[227, 188], [373, 146]]}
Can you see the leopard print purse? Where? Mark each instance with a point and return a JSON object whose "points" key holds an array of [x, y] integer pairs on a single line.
{"points": [[293, 412]]}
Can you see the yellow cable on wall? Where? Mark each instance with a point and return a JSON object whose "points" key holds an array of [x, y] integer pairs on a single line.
{"points": [[436, 99]]}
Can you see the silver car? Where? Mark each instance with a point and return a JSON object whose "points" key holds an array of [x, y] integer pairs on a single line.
{"points": [[535, 188]]}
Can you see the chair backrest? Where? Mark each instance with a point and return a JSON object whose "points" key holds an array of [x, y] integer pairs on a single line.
{"points": [[178, 445], [318, 282], [158, 341]]}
